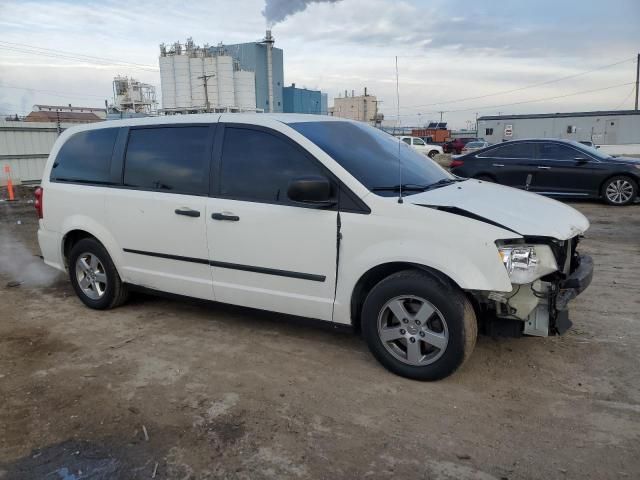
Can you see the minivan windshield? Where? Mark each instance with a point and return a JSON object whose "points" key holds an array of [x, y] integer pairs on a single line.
{"points": [[373, 157]]}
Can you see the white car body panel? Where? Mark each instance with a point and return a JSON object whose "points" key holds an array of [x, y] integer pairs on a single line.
{"points": [[294, 239], [526, 213]]}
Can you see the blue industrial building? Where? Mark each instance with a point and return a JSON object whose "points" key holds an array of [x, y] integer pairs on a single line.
{"points": [[302, 100], [253, 57]]}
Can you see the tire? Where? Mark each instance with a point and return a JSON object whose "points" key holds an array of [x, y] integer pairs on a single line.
{"points": [[619, 191], [94, 276], [432, 154], [438, 311], [485, 178]]}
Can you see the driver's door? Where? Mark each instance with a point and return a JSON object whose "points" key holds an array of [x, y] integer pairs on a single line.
{"points": [[266, 251], [564, 171]]}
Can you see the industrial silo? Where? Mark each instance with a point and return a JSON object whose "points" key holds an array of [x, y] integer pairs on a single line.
{"points": [[183, 81], [245, 89], [226, 93], [212, 83], [167, 83], [196, 65]]}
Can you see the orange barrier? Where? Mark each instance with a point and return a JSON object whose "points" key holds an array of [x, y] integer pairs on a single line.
{"points": [[7, 170]]}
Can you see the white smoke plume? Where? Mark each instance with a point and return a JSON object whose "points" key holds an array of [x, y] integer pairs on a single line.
{"points": [[275, 11], [18, 264]]}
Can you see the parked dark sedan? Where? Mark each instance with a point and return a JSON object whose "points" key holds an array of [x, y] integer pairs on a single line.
{"points": [[560, 168]]}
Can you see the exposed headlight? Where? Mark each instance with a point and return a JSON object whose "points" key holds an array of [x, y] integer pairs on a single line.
{"points": [[526, 263]]}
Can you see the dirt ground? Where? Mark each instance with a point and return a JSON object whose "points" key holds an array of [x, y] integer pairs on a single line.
{"points": [[195, 390]]}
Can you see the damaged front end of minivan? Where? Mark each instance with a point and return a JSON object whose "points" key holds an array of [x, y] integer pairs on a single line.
{"points": [[545, 274]]}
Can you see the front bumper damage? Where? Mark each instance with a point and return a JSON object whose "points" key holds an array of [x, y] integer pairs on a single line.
{"points": [[539, 308]]}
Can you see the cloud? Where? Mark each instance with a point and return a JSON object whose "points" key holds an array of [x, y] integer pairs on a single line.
{"points": [[448, 49]]}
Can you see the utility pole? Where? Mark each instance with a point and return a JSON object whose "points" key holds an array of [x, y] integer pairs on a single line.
{"points": [[441, 112], [637, 79], [206, 92]]}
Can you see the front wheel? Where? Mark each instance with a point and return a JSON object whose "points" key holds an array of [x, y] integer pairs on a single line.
{"points": [[432, 154], [419, 326], [619, 191]]}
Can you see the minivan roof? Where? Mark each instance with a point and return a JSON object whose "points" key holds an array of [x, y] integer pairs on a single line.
{"points": [[253, 118]]}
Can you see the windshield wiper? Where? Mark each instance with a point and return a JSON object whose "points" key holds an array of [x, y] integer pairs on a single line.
{"points": [[409, 187], [443, 183]]}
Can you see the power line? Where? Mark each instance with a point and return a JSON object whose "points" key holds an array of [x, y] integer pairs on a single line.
{"points": [[47, 52], [505, 92], [53, 92], [633, 89], [488, 107]]}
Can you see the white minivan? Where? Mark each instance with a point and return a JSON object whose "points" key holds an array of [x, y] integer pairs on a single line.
{"points": [[311, 216]]}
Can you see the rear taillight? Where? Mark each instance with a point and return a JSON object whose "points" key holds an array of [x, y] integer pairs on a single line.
{"points": [[456, 163], [38, 201]]}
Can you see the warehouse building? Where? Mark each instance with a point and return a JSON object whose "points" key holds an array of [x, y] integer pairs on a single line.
{"points": [[618, 131], [302, 100]]}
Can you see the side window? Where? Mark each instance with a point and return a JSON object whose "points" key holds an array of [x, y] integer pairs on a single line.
{"points": [[171, 159], [86, 157], [555, 151], [488, 131], [514, 150], [407, 141], [257, 165], [418, 141]]}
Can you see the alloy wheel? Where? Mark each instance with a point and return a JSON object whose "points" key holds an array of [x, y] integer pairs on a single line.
{"points": [[413, 330], [91, 276], [619, 191]]}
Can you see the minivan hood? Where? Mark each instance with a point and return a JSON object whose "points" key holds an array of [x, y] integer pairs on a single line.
{"points": [[525, 213]]}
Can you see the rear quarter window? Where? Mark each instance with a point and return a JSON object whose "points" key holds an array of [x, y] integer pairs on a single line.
{"points": [[86, 157]]}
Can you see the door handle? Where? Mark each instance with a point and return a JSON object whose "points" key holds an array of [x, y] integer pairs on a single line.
{"points": [[187, 212], [544, 168], [498, 165], [222, 216]]}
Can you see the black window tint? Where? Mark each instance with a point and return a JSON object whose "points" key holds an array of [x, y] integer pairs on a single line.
{"points": [[257, 165], [86, 157], [488, 131], [555, 151], [172, 159], [513, 150]]}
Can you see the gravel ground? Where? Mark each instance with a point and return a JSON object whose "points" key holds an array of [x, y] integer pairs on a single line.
{"points": [[187, 389]]}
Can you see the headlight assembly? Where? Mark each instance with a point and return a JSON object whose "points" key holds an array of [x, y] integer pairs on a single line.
{"points": [[526, 263]]}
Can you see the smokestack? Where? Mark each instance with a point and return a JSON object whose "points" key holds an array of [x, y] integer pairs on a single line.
{"points": [[346, 94], [269, 40], [365, 91]]}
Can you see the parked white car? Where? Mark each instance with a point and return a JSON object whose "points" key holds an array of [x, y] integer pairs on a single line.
{"points": [[420, 145], [307, 215]]}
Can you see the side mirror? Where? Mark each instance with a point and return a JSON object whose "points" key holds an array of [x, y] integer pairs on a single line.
{"points": [[314, 190]]}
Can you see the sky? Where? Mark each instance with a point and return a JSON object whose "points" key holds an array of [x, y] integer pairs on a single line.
{"points": [[511, 53]]}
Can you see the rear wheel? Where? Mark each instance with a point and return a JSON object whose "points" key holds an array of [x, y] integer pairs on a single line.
{"points": [[418, 326], [94, 276], [619, 191]]}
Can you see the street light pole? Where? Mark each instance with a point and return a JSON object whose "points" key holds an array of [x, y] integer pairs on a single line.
{"points": [[637, 79]]}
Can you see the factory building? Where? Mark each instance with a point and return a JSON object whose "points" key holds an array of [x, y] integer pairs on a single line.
{"points": [[131, 96], [239, 77], [618, 131], [203, 79], [302, 100], [363, 108], [266, 61]]}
